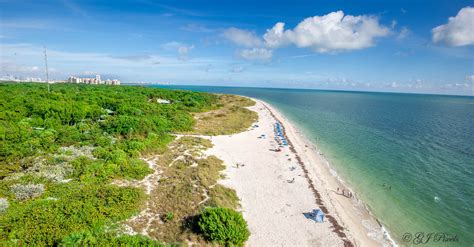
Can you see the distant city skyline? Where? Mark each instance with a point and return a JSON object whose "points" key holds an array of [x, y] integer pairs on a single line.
{"points": [[97, 80], [399, 46]]}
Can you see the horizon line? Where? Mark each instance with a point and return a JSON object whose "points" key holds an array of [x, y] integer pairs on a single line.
{"points": [[302, 88]]}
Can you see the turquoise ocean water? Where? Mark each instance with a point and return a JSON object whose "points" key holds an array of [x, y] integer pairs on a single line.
{"points": [[421, 146]]}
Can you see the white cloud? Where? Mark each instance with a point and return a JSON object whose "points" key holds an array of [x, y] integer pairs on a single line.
{"points": [[333, 32], [404, 32], [275, 37], [182, 49], [255, 54], [459, 30], [242, 37], [329, 33], [393, 24]]}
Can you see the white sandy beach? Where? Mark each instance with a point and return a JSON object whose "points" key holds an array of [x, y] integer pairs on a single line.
{"points": [[275, 191]]}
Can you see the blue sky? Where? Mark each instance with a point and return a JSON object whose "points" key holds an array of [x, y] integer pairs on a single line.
{"points": [[409, 46]]}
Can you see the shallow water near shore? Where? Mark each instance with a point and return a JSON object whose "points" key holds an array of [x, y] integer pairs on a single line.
{"points": [[409, 157]]}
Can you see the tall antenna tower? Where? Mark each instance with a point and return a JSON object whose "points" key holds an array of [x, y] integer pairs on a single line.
{"points": [[46, 63]]}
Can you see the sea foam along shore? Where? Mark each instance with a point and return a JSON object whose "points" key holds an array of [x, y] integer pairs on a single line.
{"points": [[277, 188]]}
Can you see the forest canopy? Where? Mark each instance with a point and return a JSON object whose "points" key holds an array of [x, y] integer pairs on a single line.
{"points": [[60, 150], [121, 119]]}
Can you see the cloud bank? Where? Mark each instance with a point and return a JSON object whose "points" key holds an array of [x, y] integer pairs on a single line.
{"points": [[459, 31], [331, 33]]}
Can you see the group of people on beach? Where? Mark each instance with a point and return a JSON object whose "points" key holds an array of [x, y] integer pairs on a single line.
{"points": [[279, 135], [349, 193], [343, 192]]}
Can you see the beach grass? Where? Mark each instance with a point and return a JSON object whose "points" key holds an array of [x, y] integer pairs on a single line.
{"points": [[221, 196], [230, 117], [188, 184]]}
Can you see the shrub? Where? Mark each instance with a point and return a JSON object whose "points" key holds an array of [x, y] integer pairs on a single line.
{"points": [[93, 238], [169, 216], [78, 209], [224, 225], [135, 169], [27, 191], [54, 172], [3, 205]]}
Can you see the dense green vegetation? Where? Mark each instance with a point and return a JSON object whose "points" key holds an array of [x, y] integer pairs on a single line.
{"points": [[74, 165], [223, 225], [98, 237], [60, 151], [46, 221], [123, 121]]}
